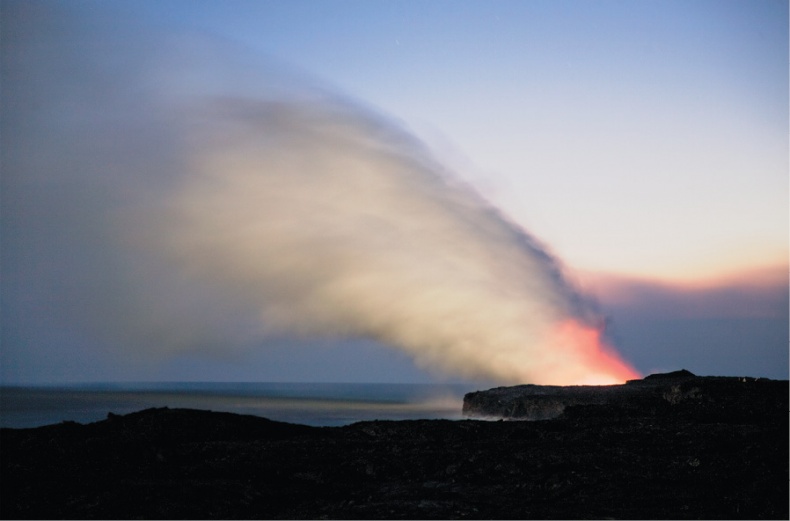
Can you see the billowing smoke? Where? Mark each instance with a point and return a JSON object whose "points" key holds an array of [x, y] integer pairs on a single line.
{"points": [[160, 216]]}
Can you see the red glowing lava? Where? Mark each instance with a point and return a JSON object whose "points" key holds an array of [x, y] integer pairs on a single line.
{"points": [[587, 359]]}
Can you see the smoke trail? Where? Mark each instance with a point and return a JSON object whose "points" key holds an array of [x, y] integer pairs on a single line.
{"points": [[219, 217], [328, 221]]}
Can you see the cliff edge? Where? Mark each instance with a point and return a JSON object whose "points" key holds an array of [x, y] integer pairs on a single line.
{"points": [[679, 391]]}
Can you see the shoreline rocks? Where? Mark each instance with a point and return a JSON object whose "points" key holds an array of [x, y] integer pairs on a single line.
{"points": [[700, 448], [727, 395]]}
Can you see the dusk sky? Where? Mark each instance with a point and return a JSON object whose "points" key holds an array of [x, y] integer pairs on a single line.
{"points": [[642, 144]]}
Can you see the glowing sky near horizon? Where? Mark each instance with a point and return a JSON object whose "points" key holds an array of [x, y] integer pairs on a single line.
{"points": [[638, 138]]}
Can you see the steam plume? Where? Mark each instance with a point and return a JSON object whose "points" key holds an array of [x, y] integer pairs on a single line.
{"points": [[213, 219]]}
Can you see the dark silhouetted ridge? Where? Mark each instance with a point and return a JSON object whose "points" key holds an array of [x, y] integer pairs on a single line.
{"points": [[688, 447]]}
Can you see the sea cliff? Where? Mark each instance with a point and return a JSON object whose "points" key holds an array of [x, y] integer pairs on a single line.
{"points": [[705, 396]]}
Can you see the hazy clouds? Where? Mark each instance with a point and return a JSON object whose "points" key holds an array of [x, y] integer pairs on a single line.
{"points": [[160, 197]]}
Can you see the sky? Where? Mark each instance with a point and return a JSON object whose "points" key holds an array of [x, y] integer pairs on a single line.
{"points": [[643, 145]]}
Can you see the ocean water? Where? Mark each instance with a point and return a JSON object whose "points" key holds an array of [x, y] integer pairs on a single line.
{"points": [[318, 404]]}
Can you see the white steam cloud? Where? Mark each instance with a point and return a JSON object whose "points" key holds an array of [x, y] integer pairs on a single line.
{"points": [[161, 214]]}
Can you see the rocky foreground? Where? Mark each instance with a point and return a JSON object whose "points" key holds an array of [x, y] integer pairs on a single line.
{"points": [[685, 447]]}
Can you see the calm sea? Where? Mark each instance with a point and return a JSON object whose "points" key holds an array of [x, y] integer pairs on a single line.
{"points": [[319, 404]]}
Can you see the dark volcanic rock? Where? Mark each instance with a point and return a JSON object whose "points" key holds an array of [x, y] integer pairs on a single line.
{"points": [[717, 452], [702, 395]]}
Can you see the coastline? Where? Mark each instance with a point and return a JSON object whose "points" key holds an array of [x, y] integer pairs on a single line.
{"points": [[593, 461], [310, 403]]}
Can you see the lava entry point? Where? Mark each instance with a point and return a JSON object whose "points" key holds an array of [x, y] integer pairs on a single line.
{"points": [[542, 402]]}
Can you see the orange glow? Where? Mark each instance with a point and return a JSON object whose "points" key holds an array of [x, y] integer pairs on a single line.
{"points": [[619, 288], [760, 292], [587, 360]]}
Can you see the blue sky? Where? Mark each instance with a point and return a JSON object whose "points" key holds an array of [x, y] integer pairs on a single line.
{"points": [[569, 115], [644, 143]]}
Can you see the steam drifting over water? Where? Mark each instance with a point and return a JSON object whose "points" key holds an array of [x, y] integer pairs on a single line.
{"points": [[178, 218]]}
